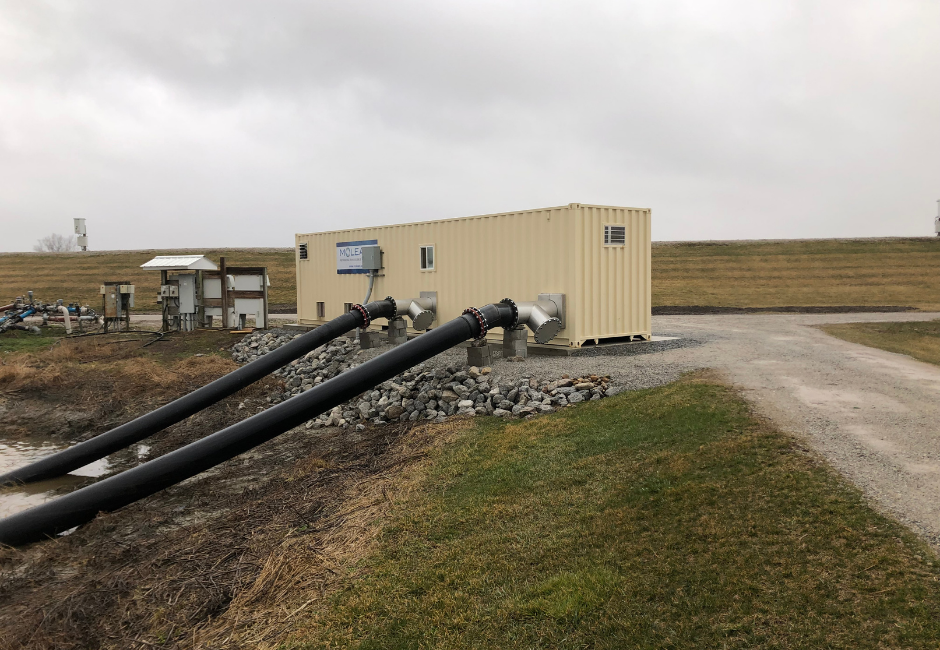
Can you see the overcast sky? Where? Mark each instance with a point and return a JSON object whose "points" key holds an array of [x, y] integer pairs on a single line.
{"points": [[209, 123]]}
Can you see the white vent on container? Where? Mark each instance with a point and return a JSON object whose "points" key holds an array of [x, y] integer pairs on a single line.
{"points": [[615, 235], [302, 249]]}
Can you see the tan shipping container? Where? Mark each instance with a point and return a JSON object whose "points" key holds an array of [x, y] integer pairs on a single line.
{"points": [[479, 260]]}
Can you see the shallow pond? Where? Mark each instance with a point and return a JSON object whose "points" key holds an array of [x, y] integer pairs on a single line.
{"points": [[15, 454]]}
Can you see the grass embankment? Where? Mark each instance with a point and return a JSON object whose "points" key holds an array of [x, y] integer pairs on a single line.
{"points": [[822, 272], [76, 277], [663, 518], [920, 340]]}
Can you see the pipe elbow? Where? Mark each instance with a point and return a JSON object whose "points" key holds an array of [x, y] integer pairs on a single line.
{"points": [[544, 326], [419, 310], [541, 317], [421, 318], [66, 318]]}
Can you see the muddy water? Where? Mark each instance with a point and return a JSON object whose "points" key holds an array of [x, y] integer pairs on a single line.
{"points": [[14, 454]]}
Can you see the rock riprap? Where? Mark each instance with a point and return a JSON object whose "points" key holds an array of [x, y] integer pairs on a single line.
{"points": [[421, 393]]}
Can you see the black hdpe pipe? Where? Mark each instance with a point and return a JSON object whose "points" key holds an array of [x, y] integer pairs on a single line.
{"points": [[131, 485], [146, 425]]}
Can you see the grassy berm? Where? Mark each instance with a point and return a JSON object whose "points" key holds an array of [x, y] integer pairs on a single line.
{"points": [[663, 518], [802, 273], [747, 274], [920, 340], [76, 277]]}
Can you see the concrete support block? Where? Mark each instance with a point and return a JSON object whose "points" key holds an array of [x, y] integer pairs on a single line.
{"points": [[515, 343], [368, 340], [479, 356], [397, 331]]}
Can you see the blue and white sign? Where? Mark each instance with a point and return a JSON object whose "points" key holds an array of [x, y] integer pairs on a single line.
{"points": [[349, 255]]}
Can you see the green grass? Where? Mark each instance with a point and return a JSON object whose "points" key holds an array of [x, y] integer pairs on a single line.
{"points": [[20, 341], [667, 518], [823, 272], [920, 340], [904, 272]]}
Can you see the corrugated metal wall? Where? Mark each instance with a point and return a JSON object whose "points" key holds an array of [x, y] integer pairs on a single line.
{"points": [[614, 288], [483, 259]]}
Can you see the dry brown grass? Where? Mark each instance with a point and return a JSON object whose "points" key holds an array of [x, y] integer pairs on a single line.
{"points": [[25, 372], [77, 276], [918, 339], [87, 361], [238, 568], [299, 571], [81, 386], [863, 272]]}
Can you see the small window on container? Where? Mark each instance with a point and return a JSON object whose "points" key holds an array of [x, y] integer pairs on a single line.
{"points": [[321, 310], [427, 258], [615, 235], [302, 251]]}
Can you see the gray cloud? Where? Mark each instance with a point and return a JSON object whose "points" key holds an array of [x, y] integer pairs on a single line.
{"points": [[231, 123]]}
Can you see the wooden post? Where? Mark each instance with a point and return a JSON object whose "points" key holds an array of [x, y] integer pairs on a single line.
{"points": [[200, 303], [224, 278]]}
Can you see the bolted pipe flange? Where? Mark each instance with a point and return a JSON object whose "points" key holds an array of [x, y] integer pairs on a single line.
{"points": [[421, 319], [547, 330], [394, 314], [366, 320], [515, 311], [481, 319]]}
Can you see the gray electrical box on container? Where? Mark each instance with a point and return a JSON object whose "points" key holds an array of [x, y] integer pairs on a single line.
{"points": [[372, 257]]}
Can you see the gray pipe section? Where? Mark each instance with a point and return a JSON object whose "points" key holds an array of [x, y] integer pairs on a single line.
{"points": [[419, 310], [131, 485], [136, 430], [541, 317], [371, 283]]}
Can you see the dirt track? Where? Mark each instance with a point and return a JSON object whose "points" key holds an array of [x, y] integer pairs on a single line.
{"points": [[874, 415]]}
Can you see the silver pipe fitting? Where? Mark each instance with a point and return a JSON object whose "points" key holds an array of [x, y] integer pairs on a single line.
{"points": [[419, 310], [540, 316]]}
